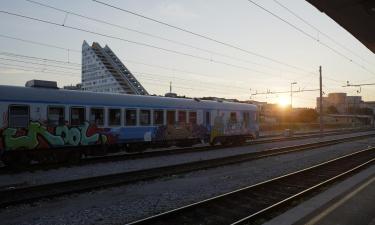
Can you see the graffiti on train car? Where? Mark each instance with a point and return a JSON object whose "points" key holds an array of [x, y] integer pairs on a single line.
{"points": [[183, 131], [36, 135], [222, 127]]}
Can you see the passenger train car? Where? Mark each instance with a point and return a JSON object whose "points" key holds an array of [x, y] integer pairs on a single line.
{"points": [[51, 124]]}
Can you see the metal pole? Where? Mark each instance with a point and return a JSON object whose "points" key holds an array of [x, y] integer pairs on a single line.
{"points": [[291, 95], [320, 102]]}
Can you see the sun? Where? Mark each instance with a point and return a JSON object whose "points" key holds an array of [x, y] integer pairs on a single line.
{"points": [[283, 102]]}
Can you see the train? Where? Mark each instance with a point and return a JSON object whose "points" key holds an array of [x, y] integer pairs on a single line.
{"points": [[44, 123]]}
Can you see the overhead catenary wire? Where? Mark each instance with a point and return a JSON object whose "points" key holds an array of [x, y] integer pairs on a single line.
{"points": [[42, 64], [203, 36], [224, 63], [199, 83], [38, 70], [129, 61], [39, 43], [10, 54], [61, 73], [320, 32], [230, 45], [155, 36], [45, 68], [137, 43], [44, 60], [310, 36]]}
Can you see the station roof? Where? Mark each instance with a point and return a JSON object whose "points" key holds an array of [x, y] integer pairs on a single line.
{"points": [[356, 16]]}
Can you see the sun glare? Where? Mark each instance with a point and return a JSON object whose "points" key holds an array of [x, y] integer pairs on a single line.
{"points": [[283, 102]]}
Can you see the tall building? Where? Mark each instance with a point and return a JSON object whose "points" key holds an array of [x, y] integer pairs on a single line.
{"points": [[341, 102], [102, 71]]}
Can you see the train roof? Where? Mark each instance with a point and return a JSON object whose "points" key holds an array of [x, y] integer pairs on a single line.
{"points": [[19, 94]]}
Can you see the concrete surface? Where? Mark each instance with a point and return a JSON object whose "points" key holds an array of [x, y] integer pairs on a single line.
{"points": [[348, 202]]}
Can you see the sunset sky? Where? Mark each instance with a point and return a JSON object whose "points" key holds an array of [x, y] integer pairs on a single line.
{"points": [[196, 66]]}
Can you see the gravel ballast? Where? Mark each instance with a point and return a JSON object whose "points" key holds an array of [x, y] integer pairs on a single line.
{"points": [[123, 204]]}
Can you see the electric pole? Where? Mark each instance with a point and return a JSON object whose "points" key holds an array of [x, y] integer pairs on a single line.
{"points": [[291, 94], [320, 101]]}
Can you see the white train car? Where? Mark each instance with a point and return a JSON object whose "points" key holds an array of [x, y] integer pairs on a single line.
{"points": [[41, 123]]}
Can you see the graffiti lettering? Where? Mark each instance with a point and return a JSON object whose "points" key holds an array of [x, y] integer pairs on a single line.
{"points": [[62, 136]]}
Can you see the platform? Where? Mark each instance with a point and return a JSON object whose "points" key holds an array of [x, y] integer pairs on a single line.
{"points": [[351, 201]]}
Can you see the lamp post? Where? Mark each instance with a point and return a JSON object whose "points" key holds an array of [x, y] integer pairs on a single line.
{"points": [[291, 94]]}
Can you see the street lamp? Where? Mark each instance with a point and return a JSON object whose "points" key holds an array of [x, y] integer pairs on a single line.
{"points": [[291, 94]]}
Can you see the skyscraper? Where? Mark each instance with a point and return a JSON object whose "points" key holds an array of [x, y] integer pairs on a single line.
{"points": [[102, 71]]}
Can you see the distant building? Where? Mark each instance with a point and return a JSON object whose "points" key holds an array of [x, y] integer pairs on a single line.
{"points": [[102, 71], [76, 87], [341, 102], [371, 105]]}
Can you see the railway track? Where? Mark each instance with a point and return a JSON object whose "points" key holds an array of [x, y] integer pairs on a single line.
{"points": [[15, 195], [164, 152], [246, 205]]}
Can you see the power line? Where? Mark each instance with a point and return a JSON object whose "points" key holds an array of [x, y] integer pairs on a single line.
{"points": [[126, 60], [38, 70], [39, 43], [137, 43], [56, 61], [130, 61], [62, 73], [186, 87], [268, 92], [152, 35], [320, 32], [54, 46], [42, 64], [38, 58], [357, 85], [309, 35], [202, 36], [209, 84]]}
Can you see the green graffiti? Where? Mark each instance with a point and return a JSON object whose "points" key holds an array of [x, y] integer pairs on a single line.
{"points": [[87, 140], [29, 141], [64, 135]]}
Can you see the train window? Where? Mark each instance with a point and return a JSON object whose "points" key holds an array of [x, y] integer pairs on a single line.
{"points": [[97, 116], [145, 117], [246, 119], [114, 117], [56, 115], [193, 117], [182, 117], [19, 116], [77, 116], [208, 118], [131, 117], [158, 117], [233, 117], [171, 117]]}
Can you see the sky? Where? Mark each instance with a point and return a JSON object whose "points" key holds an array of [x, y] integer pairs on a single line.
{"points": [[196, 66]]}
